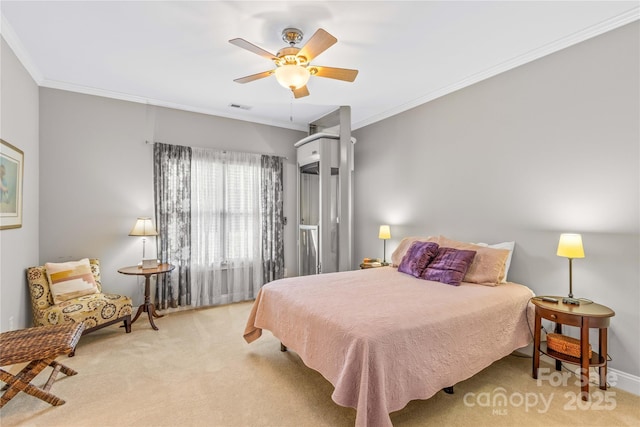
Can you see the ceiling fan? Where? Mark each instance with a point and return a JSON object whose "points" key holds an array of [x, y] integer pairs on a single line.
{"points": [[293, 67]]}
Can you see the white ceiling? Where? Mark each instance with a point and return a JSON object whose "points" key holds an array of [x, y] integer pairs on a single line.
{"points": [[177, 54]]}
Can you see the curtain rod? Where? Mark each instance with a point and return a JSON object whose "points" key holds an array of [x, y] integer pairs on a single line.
{"points": [[224, 151]]}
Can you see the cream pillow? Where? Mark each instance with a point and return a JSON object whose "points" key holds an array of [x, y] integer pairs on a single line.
{"points": [[504, 245], [488, 266], [69, 280], [403, 247]]}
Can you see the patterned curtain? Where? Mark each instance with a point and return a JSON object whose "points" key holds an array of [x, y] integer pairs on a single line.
{"points": [[272, 214], [172, 181], [220, 219]]}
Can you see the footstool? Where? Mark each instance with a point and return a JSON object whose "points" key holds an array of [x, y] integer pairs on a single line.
{"points": [[39, 346]]}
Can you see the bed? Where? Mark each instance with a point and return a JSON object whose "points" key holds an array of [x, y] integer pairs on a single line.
{"points": [[382, 337]]}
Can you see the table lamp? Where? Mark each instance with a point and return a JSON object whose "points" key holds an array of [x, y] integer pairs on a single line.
{"points": [[384, 234], [570, 246], [143, 227]]}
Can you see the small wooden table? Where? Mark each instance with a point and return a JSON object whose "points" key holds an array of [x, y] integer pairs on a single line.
{"points": [[39, 346], [148, 306], [583, 316]]}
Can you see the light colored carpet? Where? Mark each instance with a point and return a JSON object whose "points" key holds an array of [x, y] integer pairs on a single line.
{"points": [[198, 371]]}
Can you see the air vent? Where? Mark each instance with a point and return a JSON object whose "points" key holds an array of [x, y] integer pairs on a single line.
{"points": [[239, 106]]}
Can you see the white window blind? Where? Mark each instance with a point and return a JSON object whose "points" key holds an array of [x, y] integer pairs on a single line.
{"points": [[226, 226]]}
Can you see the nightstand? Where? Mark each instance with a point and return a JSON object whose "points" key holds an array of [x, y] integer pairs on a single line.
{"points": [[583, 316]]}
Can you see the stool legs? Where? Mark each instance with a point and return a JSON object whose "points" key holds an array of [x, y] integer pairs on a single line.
{"points": [[22, 381]]}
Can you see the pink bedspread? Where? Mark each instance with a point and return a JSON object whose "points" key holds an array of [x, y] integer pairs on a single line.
{"points": [[383, 338]]}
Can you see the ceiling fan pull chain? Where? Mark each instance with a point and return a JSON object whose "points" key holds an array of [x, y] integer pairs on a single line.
{"points": [[291, 110]]}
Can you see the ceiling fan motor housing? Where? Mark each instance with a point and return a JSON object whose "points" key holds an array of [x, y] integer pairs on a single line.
{"points": [[289, 56], [292, 36]]}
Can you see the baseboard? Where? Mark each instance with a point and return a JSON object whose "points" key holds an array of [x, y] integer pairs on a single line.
{"points": [[618, 379], [615, 378], [625, 381]]}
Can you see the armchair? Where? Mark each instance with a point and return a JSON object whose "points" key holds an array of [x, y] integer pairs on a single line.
{"points": [[96, 310]]}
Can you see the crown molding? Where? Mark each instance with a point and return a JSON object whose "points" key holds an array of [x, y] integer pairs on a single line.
{"points": [[23, 56], [86, 90], [575, 38], [9, 35]]}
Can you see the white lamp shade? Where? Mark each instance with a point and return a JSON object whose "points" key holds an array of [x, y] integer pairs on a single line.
{"points": [[292, 76], [385, 232], [570, 246], [143, 227]]}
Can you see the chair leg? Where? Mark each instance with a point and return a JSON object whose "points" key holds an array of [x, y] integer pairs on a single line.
{"points": [[127, 324]]}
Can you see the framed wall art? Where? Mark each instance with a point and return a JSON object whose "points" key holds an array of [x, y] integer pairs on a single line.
{"points": [[11, 174]]}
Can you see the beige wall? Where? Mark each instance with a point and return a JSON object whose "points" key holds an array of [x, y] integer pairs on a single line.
{"points": [[19, 246], [96, 174], [549, 147]]}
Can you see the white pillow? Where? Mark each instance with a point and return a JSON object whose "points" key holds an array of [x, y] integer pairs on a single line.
{"points": [[68, 280], [504, 245]]}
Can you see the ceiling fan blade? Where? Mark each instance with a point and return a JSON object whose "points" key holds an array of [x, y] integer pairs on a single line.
{"points": [[334, 73], [299, 93], [253, 48], [253, 77], [318, 43]]}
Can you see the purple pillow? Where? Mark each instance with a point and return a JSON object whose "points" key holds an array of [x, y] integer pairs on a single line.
{"points": [[418, 256], [449, 266]]}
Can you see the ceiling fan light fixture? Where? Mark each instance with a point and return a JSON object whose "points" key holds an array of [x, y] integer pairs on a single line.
{"points": [[292, 76], [293, 65]]}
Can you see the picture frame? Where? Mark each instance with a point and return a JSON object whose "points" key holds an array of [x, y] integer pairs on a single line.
{"points": [[11, 176]]}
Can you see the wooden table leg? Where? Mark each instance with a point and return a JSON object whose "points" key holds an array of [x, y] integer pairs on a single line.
{"points": [[140, 310], [602, 348], [558, 330], [148, 307], [584, 359], [154, 312], [536, 345]]}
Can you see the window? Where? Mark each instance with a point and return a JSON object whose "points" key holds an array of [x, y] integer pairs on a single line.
{"points": [[212, 210]]}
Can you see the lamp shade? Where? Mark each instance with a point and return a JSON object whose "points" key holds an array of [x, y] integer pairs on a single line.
{"points": [[143, 227], [292, 76], [570, 246], [385, 232]]}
